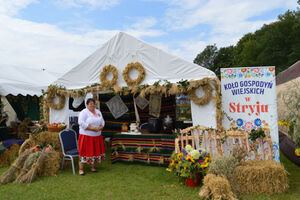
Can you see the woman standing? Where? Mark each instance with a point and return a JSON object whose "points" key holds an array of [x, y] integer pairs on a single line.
{"points": [[90, 142]]}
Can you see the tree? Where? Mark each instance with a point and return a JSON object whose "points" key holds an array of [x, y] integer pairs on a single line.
{"points": [[223, 59], [207, 56]]}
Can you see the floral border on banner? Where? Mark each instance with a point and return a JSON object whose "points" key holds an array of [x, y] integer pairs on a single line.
{"points": [[249, 125], [248, 72], [275, 151], [255, 124]]}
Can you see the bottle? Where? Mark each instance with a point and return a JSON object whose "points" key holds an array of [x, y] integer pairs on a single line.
{"points": [[124, 128]]}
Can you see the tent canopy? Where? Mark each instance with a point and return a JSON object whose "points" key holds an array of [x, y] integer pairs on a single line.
{"points": [[123, 49], [21, 80]]}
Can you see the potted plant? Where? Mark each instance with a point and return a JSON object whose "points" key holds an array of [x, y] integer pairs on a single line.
{"points": [[190, 164]]}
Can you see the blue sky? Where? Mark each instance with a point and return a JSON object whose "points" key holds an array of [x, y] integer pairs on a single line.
{"points": [[59, 34]]}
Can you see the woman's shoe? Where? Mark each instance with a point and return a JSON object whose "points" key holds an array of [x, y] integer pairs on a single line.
{"points": [[93, 170], [81, 173]]}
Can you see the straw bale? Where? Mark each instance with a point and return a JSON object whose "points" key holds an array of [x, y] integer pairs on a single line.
{"points": [[27, 120], [216, 188], [8, 154], [42, 139], [23, 128], [261, 176], [31, 159], [224, 166], [51, 164], [10, 174]]}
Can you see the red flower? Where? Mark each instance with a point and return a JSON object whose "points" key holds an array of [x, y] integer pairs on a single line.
{"points": [[271, 69], [244, 70]]}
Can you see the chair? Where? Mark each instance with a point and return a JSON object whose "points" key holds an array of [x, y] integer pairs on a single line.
{"points": [[75, 127], [68, 140]]}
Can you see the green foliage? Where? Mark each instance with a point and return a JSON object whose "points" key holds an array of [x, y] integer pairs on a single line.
{"points": [[276, 44], [184, 84], [207, 56], [255, 134], [223, 59]]}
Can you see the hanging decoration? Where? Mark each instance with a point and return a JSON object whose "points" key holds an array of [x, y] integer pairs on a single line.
{"points": [[117, 107], [194, 85], [103, 76], [142, 73], [155, 105], [51, 94]]}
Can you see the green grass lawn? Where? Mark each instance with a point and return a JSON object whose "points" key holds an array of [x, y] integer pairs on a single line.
{"points": [[123, 181]]}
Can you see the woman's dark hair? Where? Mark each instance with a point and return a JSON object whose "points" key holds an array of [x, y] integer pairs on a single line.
{"points": [[90, 100]]}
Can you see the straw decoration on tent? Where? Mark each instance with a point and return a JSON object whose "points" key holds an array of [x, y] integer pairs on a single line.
{"points": [[142, 73], [51, 94], [166, 88], [103, 76], [194, 85]]}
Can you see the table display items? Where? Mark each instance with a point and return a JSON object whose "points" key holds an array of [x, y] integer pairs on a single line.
{"points": [[56, 127], [133, 128]]}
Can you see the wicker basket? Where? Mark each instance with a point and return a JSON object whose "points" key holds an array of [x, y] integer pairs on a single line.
{"points": [[55, 129]]}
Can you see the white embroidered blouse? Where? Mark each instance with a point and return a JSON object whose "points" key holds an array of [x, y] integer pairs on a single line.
{"points": [[87, 118]]}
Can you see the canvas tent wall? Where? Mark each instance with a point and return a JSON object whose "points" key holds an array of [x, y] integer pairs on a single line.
{"points": [[159, 65], [23, 81], [288, 90]]}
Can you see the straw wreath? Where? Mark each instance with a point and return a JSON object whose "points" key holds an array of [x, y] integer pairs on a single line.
{"points": [[142, 73], [194, 85], [52, 93], [106, 70]]}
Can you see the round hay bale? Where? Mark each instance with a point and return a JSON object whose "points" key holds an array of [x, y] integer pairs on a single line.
{"points": [[8, 154], [261, 177]]}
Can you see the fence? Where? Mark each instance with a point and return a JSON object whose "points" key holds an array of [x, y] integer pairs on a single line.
{"points": [[222, 142]]}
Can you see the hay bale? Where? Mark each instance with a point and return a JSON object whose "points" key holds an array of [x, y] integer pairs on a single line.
{"points": [[8, 154], [31, 159], [262, 177], [216, 188], [46, 137], [224, 166], [10, 174], [41, 139], [51, 164]]}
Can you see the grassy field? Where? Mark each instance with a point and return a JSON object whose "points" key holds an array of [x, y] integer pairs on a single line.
{"points": [[123, 181]]}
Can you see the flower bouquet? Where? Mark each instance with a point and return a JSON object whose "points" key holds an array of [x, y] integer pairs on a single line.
{"points": [[190, 163]]}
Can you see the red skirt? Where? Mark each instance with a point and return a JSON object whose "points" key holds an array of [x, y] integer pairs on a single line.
{"points": [[91, 149]]}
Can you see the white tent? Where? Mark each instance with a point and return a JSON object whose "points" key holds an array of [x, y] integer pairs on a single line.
{"points": [[159, 65], [21, 80]]}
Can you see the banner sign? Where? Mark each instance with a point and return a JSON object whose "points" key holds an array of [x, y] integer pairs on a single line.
{"points": [[249, 101]]}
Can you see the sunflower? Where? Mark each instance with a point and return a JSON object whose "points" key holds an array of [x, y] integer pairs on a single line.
{"points": [[169, 170]]}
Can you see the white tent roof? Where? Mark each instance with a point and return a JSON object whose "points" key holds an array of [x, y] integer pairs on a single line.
{"points": [[123, 49], [21, 80]]}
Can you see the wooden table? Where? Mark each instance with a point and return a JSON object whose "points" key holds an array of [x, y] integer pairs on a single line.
{"points": [[153, 149]]}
